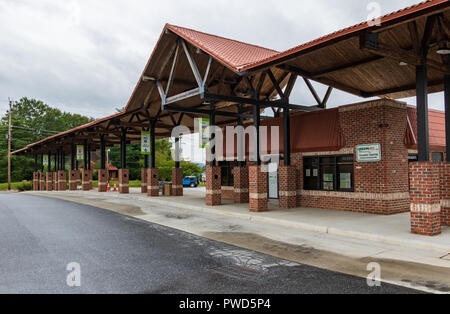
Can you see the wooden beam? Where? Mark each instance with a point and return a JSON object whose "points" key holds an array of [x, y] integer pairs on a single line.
{"points": [[193, 65], [346, 66], [313, 91], [324, 81], [275, 83]]}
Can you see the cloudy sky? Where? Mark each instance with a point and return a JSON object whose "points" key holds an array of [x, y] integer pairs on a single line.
{"points": [[86, 56]]}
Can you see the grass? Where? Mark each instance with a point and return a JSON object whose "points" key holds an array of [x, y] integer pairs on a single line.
{"points": [[133, 183], [14, 185]]}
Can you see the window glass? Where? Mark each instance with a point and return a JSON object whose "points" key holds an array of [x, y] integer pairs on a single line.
{"points": [[437, 157], [329, 173]]}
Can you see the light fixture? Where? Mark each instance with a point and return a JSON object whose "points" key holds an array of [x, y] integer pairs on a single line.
{"points": [[444, 48], [403, 64], [148, 78]]}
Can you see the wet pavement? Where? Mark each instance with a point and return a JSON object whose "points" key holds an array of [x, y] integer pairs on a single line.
{"points": [[40, 237]]}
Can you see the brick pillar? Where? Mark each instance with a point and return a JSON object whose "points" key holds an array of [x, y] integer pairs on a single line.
{"points": [[124, 181], [102, 180], [144, 180], [152, 182], [85, 181], [258, 189], [62, 180], [287, 182], [213, 186], [91, 175], [42, 186], [177, 181], [49, 181], [35, 181], [445, 194], [241, 185], [425, 198], [74, 175], [55, 181]]}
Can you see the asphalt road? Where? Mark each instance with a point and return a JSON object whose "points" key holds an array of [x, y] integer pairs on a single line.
{"points": [[40, 236]]}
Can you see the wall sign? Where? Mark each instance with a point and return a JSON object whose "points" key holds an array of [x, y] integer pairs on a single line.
{"points": [[203, 126], [145, 142], [368, 153], [80, 152]]}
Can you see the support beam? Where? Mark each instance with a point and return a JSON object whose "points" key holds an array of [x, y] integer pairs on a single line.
{"points": [[123, 149], [212, 135], [177, 153], [257, 123], [72, 157], [422, 113], [193, 65], [152, 161], [447, 114], [85, 157], [89, 156], [103, 165], [287, 137]]}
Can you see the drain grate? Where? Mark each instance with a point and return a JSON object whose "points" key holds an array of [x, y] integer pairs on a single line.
{"points": [[236, 271]]}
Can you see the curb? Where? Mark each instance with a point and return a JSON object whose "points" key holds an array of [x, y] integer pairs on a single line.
{"points": [[306, 226]]}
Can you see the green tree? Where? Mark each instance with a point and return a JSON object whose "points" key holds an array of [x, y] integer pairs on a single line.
{"points": [[32, 121]]}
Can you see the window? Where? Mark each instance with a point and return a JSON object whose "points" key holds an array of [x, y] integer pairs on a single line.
{"points": [[328, 173], [437, 157]]}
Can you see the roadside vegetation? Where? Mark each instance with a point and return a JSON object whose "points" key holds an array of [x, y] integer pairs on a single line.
{"points": [[33, 120]]}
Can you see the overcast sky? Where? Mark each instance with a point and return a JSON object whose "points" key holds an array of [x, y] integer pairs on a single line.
{"points": [[86, 56]]}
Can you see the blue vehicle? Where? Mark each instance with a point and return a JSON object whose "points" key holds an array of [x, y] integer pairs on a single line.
{"points": [[190, 182]]}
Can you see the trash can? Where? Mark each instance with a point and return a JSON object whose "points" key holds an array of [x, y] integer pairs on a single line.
{"points": [[168, 189]]}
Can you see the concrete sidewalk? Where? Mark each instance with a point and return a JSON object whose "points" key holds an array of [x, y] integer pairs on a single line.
{"points": [[394, 229]]}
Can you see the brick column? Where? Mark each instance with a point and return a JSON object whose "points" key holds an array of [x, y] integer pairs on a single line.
{"points": [[258, 189], [144, 182], [124, 181], [213, 186], [85, 181], [241, 190], [102, 180], [91, 175], [35, 181], [49, 181], [42, 186], [445, 194], [177, 181], [74, 175], [287, 178], [152, 182], [425, 198], [62, 180], [55, 181]]}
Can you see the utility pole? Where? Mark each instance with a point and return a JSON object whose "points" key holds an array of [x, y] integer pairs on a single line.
{"points": [[9, 145]]}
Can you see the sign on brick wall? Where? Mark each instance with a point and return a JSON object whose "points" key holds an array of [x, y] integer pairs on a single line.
{"points": [[368, 153]]}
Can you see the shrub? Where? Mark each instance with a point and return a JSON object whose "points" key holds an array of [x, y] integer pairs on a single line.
{"points": [[25, 186]]}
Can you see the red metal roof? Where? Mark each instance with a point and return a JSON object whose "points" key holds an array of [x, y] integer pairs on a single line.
{"points": [[81, 127], [436, 126], [391, 17], [232, 53]]}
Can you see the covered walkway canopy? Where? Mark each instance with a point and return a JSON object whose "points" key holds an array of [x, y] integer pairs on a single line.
{"points": [[192, 74]]}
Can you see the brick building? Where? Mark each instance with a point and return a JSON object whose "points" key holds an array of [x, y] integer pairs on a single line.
{"points": [[327, 172]]}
